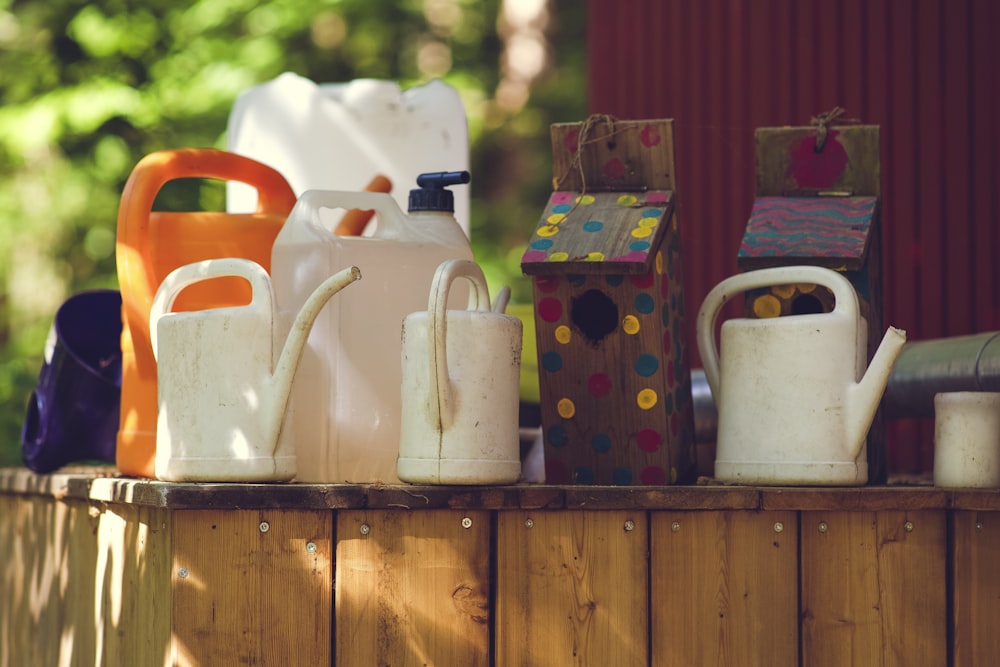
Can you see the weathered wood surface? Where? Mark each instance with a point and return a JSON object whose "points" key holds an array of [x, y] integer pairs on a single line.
{"points": [[976, 588]]}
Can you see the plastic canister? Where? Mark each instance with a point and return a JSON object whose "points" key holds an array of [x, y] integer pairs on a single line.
{"points": [[344, 409], [150, 244]]}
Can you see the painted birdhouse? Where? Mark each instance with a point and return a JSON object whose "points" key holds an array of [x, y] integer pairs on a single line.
{"points": [[614, 374], [818, 203]]}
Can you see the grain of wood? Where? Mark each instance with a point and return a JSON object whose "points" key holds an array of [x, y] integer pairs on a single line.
{"points": [[976, 588]]}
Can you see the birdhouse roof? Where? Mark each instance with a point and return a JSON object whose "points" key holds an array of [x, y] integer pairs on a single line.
{"points": [[598, 232], [824, 230]]}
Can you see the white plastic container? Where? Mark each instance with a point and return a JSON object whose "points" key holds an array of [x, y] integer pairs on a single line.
{"points": [[345, 401], [339, 136]]}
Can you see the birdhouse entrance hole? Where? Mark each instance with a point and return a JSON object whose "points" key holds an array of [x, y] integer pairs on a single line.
{"points": [[806, 304], [595, 314]]}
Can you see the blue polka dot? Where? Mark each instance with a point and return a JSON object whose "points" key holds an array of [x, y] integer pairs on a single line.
{"points": [[644, 303], [622, 476], [583, 475], [560, 208], [652, 213], [556, 436], [576, 279], [637, 246], [601, 442], [615, 279], [542, 244], [646, 365], [552, 362], [593, 226]]}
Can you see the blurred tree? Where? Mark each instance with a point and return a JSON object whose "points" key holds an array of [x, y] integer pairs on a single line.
{"points": [[90, 88]]}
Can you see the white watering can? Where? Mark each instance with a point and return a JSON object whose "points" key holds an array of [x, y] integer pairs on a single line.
{"points": [[460, 390], [794, 399], [222, 401]]}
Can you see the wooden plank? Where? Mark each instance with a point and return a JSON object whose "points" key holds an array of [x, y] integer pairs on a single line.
{"points": [[252, 587], [873, 588], [603, 153], [976, 588], [859, 499], [572, 588], [413, 588], [723, 588]]}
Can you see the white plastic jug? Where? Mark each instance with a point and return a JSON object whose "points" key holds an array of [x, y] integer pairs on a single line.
{"points": [[221, 399], [345, 402], [460, 390], [339, 136]]}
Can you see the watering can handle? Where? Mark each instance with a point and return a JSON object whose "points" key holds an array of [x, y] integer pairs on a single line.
{"points": [[479, 300], [846, 304], [391, 220], [189, 274]]}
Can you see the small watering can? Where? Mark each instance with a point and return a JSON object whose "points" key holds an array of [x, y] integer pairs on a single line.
{"points": [[222, 402], [460, 387], [795, 401]]}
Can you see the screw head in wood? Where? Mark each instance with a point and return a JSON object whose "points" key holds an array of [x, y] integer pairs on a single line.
{"points": [[365, 529], [466, 522], [264, 526]]}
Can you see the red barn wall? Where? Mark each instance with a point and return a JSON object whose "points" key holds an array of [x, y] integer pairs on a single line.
{"points": [[924, 70]]}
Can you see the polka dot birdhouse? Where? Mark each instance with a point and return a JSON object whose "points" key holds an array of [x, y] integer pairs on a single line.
{"points": [[614, 374], [818, 203]]}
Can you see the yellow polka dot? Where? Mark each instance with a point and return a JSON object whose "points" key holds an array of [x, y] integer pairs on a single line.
{"points": [[630, 324], [641, 232], [565, 408], [595, 257], [648, 222], [547, 230], [555, 218], [627, 200], [563, 334], [585, 200], [766, 305], [673, 475], [784, 291], [805, 288], [559, 257], [646, 399], [659, 263]]}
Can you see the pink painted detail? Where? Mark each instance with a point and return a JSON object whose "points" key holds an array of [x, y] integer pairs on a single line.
{"points": [[556, 472], [649, 440], [652, 476], [562, 197], [656, 197], [550, 309], [572, 140], [645, 281], [634, 256], [810, 169], [547, 284], [614, 168], [599, 385], [666, 342], [649, 136], [534, 256]]}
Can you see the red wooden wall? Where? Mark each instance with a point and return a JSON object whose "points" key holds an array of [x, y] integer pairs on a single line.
{"points": [[926, 71]]}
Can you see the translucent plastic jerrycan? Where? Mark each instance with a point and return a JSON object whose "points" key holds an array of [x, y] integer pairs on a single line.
{"points": [[345, 404], [794, 395], [338, 136], [461, 383], [152, 244], [222, 396]]}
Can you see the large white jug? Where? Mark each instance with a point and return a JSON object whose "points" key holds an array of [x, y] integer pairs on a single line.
{"points": [[221, 399], [461, 377], [795, 402]]}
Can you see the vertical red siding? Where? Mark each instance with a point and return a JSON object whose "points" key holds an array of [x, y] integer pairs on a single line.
{"points": [[925, 70]]}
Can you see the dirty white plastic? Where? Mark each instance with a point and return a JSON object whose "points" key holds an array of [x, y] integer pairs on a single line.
{"points": [[795, 402], [967, 439], [461, 376], [345, 401], [221, 408], [339, 136]]}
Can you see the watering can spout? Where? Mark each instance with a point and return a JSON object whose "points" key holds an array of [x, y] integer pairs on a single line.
{"points": [[863, 398]]}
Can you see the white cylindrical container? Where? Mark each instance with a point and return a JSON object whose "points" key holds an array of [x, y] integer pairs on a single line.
{"points": [[967, 439]]}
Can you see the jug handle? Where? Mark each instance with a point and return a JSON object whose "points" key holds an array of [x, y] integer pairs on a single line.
{"points": [[392, 223], [189, 274], [845, 303], [479, 300]]}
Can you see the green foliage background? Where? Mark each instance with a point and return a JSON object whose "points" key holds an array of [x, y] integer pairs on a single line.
{"points": [[88, 89]]}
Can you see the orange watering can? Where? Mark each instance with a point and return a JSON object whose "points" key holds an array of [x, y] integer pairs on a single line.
{"points": [[151, 244]]}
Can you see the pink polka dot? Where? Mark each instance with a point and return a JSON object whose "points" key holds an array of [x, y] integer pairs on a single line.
{"points": [[666, 343], [599, 384], [649, 136], [634, 256], [534, 256], [550, 309], [644, 281], [547, 284], [556, 472], [648, 440], [656, 197], [572, 141], [614, 168], [562, 197], [653, 476]]}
